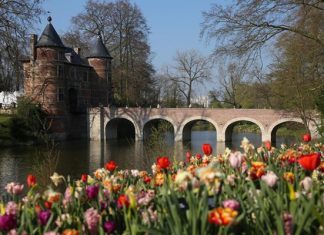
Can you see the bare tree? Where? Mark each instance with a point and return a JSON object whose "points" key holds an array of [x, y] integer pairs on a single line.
{"points": [[125, 32], [229, 79], [190, 68], [242, 28], [16, 19]]}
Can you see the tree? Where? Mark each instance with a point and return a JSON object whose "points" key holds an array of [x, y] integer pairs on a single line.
{"points": [[125, 33], [243, 28], [297, 76], [190, 68], [16, 19]]}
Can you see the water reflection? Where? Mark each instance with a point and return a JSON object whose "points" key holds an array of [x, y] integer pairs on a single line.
{"points": [[80, 157]]}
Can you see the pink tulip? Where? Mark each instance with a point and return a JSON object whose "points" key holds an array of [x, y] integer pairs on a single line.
{"points": [[270, 178], [235, 159], [92, 218], [11, 208], [231, 203], [14, 188]]}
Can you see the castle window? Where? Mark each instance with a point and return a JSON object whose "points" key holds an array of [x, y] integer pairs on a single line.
{"points": [[61, 55], [60, 71], [60, 95]]}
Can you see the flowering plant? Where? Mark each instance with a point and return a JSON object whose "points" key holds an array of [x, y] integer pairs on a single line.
{"points": [[273, 191]]}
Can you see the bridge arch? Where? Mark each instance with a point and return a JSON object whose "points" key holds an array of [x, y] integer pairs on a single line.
{"points": [[274, 127], [229, 125], [111, 127], [156, 118], [185, 127]]}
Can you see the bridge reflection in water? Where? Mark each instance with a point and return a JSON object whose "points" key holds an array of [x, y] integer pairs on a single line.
{"points": [[79, 157]]}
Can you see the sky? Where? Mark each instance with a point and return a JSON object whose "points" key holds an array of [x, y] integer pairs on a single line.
{"points": [[174, 24]]}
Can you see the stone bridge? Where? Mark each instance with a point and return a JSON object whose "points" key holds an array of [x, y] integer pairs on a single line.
{"points": [[104, 122]]}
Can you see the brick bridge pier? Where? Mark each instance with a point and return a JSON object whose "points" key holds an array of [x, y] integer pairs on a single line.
{"points": [[103, 123]]}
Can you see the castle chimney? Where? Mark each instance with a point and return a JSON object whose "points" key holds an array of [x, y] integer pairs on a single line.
{"points": [[33, 41], [77, 50]]}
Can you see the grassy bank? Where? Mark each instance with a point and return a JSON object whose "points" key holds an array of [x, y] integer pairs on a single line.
{"points": [[13, 131]]}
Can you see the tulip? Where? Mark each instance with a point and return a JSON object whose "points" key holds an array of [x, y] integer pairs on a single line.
{"points": [[122, 201], [92, 191], [307, 138], [198, 156], [207, 149], [92, 217], [235, 159], [270, 178], [11, 208], [109, 226], [111, 166], [307, 183], [267, 144], [84, 178], [69, 231], [222, 216], [44, 216], [188, 156], [310, 161], [7, 222], [56, 179], [231, 203], [163, 162], [14, 188], [31, 180]]}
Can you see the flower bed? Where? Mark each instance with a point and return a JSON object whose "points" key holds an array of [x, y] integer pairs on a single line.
{"points": [[258, 191]]}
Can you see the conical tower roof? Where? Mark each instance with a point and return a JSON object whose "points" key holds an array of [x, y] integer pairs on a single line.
{"points": [[49, 37], [99, 49]]}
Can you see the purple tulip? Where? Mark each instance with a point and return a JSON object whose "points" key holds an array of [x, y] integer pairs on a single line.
{"points": [[109, 226], [7, 222], [44, 216], [92, 191], [231, 203]]}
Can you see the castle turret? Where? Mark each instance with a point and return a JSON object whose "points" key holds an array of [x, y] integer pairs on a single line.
{"points": [[100, 59], [50, 58], [44, 76]]}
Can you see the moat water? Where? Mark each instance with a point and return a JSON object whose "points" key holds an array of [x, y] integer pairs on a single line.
{"points": [[79, 157]]}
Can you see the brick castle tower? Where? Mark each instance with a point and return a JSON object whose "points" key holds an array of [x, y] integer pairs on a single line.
{"points": [[64, 84]]}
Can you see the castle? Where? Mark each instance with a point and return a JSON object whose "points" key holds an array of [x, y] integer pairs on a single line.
{"points": [[64, 84]]}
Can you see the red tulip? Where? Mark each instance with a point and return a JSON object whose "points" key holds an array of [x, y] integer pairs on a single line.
{"points": [[267, 144], [163, 162], [147, 179], [111, 166], [122, 201], [188, 156], [84, 178], [31, 180], [207, 149], [310, 161], [307, 137], [198, 156]]}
